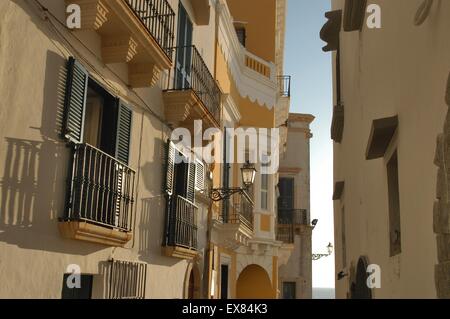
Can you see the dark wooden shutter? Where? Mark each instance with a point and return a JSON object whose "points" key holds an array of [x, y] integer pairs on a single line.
{"points": [[75, 101], [191, 182], [170, 167], [124, 121]]}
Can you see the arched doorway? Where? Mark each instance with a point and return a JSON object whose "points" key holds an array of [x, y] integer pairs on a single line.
{"points": [[254, 283], [359, 288], [192, 283]]}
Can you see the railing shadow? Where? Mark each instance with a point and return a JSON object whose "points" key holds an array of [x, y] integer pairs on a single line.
{"points": [[33, 184]]}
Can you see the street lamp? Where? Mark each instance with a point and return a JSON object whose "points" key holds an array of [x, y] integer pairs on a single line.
{"points": [[248, 172], [319, 256]]}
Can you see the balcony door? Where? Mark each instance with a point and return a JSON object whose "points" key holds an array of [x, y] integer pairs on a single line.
{"points": [[184, 51], [286, 199]]}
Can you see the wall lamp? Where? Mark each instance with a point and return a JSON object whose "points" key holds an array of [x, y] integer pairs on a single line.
{"points": [[248, 172], [319, 256], [341, 275]]}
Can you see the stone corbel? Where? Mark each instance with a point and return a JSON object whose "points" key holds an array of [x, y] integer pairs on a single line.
{"points": [[202, 9], [143, 74], [93, 13], [118, 49], [178, 106]]}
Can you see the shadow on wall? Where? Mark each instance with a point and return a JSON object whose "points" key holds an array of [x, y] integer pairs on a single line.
{"points": [[33, 184], [151, 224]]}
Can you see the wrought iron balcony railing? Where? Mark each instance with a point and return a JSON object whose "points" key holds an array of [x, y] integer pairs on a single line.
{"points": [[182, 224], [238, 210], [159, 19], [284, 85], [101, 189], [192, 73], [288, 219]]}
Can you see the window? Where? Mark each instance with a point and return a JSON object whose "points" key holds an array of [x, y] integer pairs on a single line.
{"points": [[224, 282], [83, 292], [394, 206], [286, 199], [94, 116], [241, 34], [181, 218], [265, 183], [289, 290], [98, 127], [127, 280], [184, 176], [184, 52], [264, 191]]}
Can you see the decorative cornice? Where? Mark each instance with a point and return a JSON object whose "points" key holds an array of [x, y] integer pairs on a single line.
{"points": [[232, 108], [304, 118], [250, 84]]}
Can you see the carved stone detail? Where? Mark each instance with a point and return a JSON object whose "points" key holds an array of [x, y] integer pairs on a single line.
{"points": [[143, 74], [118, 49]]}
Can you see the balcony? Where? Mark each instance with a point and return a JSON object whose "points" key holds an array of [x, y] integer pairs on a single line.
{"points": [[234, 223], [284, 86], [99, 206], [181, 225], [137, 32], [289, 223], [192, 93]]}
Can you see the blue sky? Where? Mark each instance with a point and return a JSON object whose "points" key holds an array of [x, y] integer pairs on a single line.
{"points": [[311, 72]]}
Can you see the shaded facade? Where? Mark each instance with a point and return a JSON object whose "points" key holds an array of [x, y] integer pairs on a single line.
{"points": [[389, 108]]}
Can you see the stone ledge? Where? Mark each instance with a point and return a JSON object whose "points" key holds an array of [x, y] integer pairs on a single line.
{"points": [[180, 252], [94, 234]]}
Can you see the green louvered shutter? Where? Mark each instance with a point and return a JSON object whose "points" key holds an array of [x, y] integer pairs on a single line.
{"points": [[191, 182], [75, 101], [123, 138], [170, 168]]}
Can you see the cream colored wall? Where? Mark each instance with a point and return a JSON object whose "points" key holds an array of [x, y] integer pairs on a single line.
{"points": [[295, 163], [399, 69], [33, 162]]}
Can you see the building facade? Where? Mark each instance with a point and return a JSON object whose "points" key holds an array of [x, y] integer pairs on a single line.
{"points": [[390, 107], [294, 209], [95, 180]]}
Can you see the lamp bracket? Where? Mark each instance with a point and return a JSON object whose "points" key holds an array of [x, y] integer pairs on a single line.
{"points": [[221, 194]]}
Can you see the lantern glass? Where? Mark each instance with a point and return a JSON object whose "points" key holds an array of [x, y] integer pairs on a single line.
{"points": [[330, 248], [248, 174]]}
